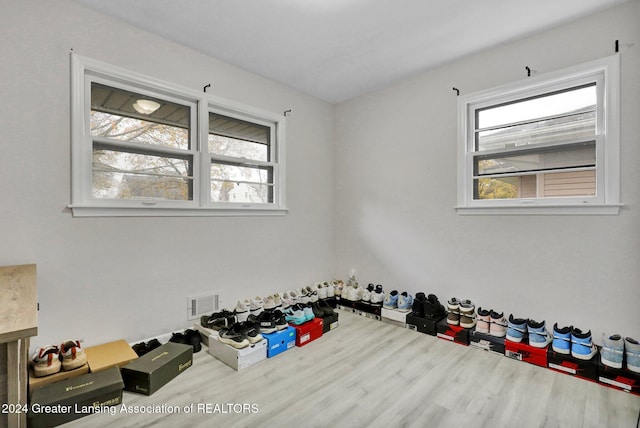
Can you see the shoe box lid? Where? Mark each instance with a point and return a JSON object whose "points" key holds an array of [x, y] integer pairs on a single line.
{"points": [[568, 364], [280, 341], [238, 359], [117, 353], [524, 352], [39, 382], [486, 342], [622, 379], [453, 333], [421, 324], [156, 368], [72, 398]]}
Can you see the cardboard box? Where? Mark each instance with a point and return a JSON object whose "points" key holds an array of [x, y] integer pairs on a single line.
{"points": [[308, 332], [280, 341], [108, 355], [238, 359], [525, 352], [39, 382], [452, 333], [156, 368], [422, 325], [74, 398], [486, 342], [622, 379], [205, 333], [395, 317], [566, 363], [329, 323]]}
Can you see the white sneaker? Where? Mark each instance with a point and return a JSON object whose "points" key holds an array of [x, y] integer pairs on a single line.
{"points": [[269, 303], [357, 293], [377, 296], [313, 293], [303, 296], [338, 287], [277, 300], [331, 289], [242, 310], [322, 291], [287, 300], [256, 306]]}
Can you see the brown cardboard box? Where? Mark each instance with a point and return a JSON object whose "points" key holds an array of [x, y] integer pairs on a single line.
{"points": [[111, 354]]}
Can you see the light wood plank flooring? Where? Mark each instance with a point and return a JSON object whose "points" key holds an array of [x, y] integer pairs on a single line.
{"points": [[367, 373]]}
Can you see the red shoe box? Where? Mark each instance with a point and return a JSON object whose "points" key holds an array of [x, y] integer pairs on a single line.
{"points": [[308, 332], [524, 352], [422, 325], [621, 379], [452, 333], [565, 363], [486, 342]]}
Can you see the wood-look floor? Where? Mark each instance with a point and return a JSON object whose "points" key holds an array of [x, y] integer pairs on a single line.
{"points": [[368, 373]]}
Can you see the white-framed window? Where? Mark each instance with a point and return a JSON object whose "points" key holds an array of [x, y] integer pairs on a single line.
{"points": [[546, 145], [143, 147]]}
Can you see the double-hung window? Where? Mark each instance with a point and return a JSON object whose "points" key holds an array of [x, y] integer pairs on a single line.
{"points": [[547, 145], [145, 147]]}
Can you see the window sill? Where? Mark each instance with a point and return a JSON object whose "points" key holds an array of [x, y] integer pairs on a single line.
{"points": [[592, 209], [105, 211]]}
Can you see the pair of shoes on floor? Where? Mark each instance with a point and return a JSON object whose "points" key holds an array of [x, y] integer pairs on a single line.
{"points": [[571, 340], [615, 350], [144, 347], [491, 322], [241, 334], [461, 312], [188, 337], [402, 302], [51, 359], [218, 320], [520, 328], [428, 307]]}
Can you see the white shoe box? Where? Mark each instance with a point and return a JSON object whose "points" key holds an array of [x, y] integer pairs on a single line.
{"points": [[238, 359], [392, 316], [205, 333]]}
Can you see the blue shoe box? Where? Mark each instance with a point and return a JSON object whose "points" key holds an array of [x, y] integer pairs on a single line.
{"points": [[486, 342], [280, 341], [567, 364]]}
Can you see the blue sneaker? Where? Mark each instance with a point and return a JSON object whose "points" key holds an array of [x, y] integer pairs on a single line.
{"points": [[561, 339], [632, 350], [581, 345], [405, 302], [539, 337], [516, 329], [391, 300], [308, 313], [612, 351], [295, 315]]}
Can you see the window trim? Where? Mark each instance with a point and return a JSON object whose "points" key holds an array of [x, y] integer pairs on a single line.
{"points": [[84, 70], [607, 201]]}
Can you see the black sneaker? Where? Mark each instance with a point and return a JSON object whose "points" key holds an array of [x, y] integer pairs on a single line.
{"points": [[193, 339], [433, 309], [218, 320], [153, 344], [179, 338], [251, 330], [326, 308], [418, 305], [280, 320], [267, 322], [235, 336], [140, 349], [317, 311]]}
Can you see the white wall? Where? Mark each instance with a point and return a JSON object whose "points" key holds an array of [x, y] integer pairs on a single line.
{"points": [[395, 192], [107, 278]]}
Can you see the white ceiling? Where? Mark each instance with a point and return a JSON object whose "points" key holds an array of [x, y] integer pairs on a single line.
{"points": [[339, 49]]}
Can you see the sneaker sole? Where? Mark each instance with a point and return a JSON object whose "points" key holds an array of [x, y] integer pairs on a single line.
{"points": [[561, 350], [70, 364], [514, 339], [233, 343], [611, 363], [583, 356]]}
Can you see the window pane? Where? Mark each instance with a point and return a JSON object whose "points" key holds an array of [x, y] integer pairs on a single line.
{"points": [[570, 101], [557, 184], [237, 138], [236, 183], [581, 125], [583, 155], [127, 116], [124, 175]]}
